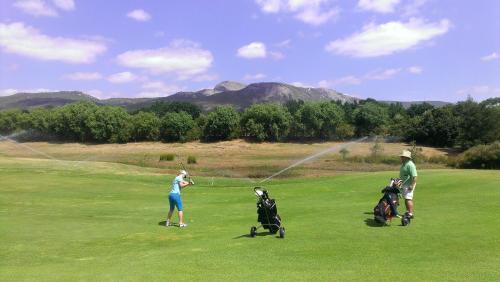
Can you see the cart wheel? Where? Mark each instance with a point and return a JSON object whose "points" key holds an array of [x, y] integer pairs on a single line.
{"points": [[282, 232], [253, 231], [405, 220]]}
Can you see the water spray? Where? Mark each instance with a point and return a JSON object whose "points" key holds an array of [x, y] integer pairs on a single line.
{"points": [[317, 155], [27, 147]]}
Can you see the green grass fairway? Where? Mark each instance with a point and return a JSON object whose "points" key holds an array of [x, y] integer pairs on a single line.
{"points": [[100, 222]]}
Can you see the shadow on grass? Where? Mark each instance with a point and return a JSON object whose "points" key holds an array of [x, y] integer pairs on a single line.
{"points": [[261, 234], [162, 223], [372, 223]]}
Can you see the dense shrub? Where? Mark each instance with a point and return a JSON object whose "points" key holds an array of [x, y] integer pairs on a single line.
{"points": [[145, 126], [481, 156], [371, 118], [109, 124], [161, 108], [10, 121], [265, 122], [221, 124], [175, 127], [191, 160], [322, 121], [167, 157]]}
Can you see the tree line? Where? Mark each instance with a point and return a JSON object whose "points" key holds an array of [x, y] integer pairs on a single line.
{"points": [[463, 125]]}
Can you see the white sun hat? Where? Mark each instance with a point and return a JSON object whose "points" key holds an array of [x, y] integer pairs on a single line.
{"points": [[406, 154]]}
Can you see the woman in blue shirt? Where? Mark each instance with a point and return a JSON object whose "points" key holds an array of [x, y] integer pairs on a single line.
{"points": [[175, 197]]}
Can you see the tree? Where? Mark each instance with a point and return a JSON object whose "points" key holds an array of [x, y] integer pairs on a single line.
{"points": [[323, 120], [269, 122], [396, 109], [293, 106], [418, 109], [474, 123], [440, 127], [39, 119], [11, 121], [176, 127], [110, 124], [161, 108], [145, 126], [370, 118], [221, 124], [70, 121]]}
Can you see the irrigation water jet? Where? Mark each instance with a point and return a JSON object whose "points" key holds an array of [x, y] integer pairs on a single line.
{"points": [[317, 155], [28, 147]]}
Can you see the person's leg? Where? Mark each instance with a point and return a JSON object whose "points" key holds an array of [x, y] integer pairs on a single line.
{"points": [[409, 206], [181, 217], [181, 213], [171, 210], [408, 196]]}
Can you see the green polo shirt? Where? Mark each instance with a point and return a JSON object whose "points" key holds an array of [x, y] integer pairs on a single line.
{"points": [[406, 172]]}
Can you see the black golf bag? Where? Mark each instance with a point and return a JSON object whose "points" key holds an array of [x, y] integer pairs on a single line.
{"points": [[267, 214], [382, 211]]}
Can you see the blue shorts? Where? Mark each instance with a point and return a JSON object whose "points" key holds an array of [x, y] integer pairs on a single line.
{"points": [[175, 201]]}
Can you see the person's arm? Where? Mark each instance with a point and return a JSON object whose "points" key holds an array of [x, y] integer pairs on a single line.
{"points": [[413, 183], [184, 184]]}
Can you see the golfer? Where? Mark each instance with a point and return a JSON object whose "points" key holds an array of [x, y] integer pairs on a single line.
{"points": [[175, 197], [408, 174]]}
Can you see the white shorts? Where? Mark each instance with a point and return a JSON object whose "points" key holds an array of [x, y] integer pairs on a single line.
{"points": [[407, 194]]}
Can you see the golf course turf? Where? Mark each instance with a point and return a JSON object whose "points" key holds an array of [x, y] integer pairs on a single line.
{"points": [[68, 221]]}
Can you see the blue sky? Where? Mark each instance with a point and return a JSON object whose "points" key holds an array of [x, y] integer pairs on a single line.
{"points": [[384, 49]]}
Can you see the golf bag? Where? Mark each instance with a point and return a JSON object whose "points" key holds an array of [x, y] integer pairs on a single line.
{"points": [[267, 214], [382, 211]]}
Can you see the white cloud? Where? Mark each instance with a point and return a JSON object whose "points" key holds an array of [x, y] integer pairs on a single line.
{"points": [[388, 38], [254, 76], [252, 50], [270, 6], [139, 15], [313, 12], [356, 80], [158, 89], [12, 91], [480, 92], [315, 17], [35, 8], [83, 76], [301, 84], [67, 5], [122, 77], [382, 74], [17, 38], [284, 44], [347, 80], [379, 6], [415, 70], [490, 57], [182, 58], [277, 55]]}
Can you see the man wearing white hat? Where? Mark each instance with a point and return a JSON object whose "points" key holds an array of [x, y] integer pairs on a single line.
{"points": [[408, 174], [174, 197]]}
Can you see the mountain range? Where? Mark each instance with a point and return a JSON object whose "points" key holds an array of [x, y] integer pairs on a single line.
{"points": [[225, 93]]}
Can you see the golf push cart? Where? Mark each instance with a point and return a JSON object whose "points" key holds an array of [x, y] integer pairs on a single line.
{"points": [[382, 211], [267, 212]]}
